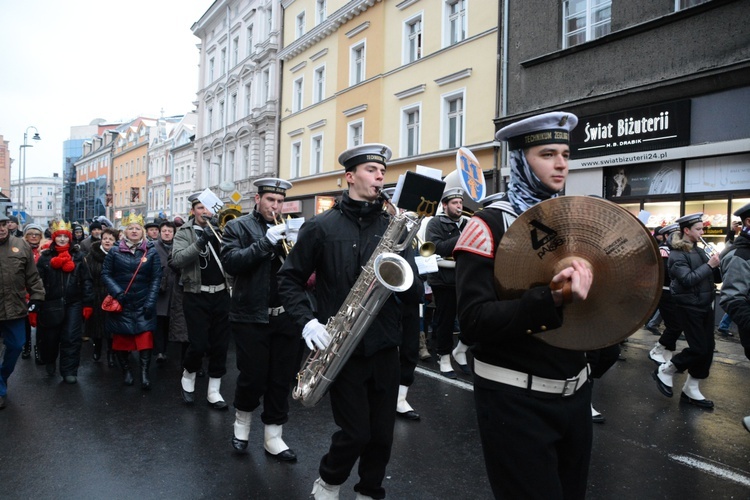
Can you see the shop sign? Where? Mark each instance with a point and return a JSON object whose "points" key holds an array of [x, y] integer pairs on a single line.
{"points": [[323, 203], [291, 207], [642, 129]]}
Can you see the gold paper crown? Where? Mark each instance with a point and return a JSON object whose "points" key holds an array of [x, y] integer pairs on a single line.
{"points": [[62, 226], [134, 219]]}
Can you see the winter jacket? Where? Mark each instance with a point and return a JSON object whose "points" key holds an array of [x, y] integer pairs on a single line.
{"points": [[735, 291], [74, 286], [692, 278], [18, 276], [139, 304]]}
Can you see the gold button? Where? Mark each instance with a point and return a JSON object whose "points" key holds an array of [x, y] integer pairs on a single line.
{"points": [[528, 332], [544, 328]]}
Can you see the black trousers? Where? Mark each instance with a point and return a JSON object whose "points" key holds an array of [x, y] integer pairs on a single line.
{"points": [[363, 399], [535, 447], [65, 340], [207, 318], [672, 317], [697, 357], [408, 353], [445, 313], [161, 334], [267, 358]]}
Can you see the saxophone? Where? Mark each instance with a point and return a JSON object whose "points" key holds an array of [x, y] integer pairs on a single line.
{"points": [[384, 273]]}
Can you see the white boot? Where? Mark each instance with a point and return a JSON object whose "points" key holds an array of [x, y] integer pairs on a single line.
{"points": [[242, 421], [276, 446], [360, 496], [214, 396], [459, 353], [324, 491], [660, 354], [188, 387], [596, 417], [692, 393], [663, 376], [403, 408], [446, 369]]}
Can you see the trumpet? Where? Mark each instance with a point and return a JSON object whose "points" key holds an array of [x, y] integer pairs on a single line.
{"points": [[285, 243], [709, 248], [425, 248]]}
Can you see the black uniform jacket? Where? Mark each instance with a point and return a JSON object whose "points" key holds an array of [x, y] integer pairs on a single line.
{"points": [[246, 254], [74, 286], [336, 245], [444, 233], [692, 278], [502, 331]]}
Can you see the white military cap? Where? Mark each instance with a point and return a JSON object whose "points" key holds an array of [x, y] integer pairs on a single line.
{"points": [[689, 220], [547, 128], [451, 193], [669, 229], [378, 153], [272, 185], [489, 200]]}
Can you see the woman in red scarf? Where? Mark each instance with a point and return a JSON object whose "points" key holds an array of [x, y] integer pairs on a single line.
{"points": [[68, 300]]}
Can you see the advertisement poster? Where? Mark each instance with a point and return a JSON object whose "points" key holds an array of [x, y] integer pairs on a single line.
{"points": [[643, 180]]}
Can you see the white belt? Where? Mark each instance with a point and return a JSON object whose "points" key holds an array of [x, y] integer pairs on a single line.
{"points": [[519, 379], [213, 288], [275, 311]]}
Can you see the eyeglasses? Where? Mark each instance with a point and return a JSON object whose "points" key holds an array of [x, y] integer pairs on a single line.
{"points": [[34, 235]]}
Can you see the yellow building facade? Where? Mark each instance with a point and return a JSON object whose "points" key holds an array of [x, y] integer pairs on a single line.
{"points": [[419, 76], [129, 166]]}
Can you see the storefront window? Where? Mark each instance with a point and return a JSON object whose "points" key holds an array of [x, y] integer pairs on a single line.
{"points": [[662, 213], [643, 180]]}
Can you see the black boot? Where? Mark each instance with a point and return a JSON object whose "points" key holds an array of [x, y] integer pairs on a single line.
{"points": [[38, 357], [127, 374], [145, 356], [97, 354], [26, 352], [110, 358]]}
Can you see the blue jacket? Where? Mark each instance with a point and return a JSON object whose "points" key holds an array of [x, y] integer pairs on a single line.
{"points": [[139, 304]]}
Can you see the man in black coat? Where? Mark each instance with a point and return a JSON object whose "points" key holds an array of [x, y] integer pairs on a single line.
{"points": [[267, 339], [336, 244]]}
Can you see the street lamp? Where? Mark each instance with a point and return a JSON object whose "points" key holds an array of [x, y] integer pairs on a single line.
{"points": [[22, 168]]}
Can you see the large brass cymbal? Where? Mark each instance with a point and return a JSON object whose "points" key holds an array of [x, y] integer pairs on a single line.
{"points": [[627, 268]]}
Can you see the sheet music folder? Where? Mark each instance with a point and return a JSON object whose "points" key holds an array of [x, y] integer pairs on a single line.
{"points": [[418, 193]]}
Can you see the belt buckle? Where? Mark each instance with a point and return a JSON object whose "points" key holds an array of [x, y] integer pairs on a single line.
{"points": [[569, 387]]}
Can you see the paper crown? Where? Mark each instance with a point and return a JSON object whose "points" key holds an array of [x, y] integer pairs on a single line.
{"points": [[134, 219], [62, 226]]}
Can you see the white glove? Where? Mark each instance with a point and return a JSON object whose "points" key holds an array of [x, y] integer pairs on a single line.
{"points": [[315, 333], [276, 233]]}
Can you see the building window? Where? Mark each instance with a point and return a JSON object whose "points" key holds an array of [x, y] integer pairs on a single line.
{"points": [[300, 25], [357, 64], [248, 99], [229, 171], [296, 160], [217, 173], [410, 127], [355, 134], [221, 114], [245, 161], [320, 11], [686, 4], [316, 155], [319, 85], [453, 120], [455, 16], [297, 97], [223, 60], [211, 70], [235, 51], [249, 34], [233, 108], [38, 205], [585, 20], [262, 153], [210, 120], [49, 205], [269, 21], [266, 86], [413, 39]]}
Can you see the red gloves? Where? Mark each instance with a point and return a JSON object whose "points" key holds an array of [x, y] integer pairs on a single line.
{"points": [[87, 312], [32, 319]]}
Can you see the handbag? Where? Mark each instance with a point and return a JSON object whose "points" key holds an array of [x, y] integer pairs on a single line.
{"points": [[52, 313], [111, 304]]}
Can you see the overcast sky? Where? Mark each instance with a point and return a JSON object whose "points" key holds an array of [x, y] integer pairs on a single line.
{"points": [[67, 62]]}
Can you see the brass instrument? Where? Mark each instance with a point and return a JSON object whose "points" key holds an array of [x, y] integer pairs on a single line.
{"points": [[223, 216], [384, 273], [709, 248], [285, 243], [425, 248]]}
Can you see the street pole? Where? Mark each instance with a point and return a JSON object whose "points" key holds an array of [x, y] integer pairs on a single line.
{"points": [[22, 185]]}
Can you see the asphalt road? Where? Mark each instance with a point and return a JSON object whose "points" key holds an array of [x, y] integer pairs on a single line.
{"points": [[98, 439]]}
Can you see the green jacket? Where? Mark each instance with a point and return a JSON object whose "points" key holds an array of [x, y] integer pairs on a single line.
{"points": [[185, 257], [18, 277]]}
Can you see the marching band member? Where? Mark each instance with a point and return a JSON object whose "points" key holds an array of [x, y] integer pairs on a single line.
{"points": [[335, 245], [267, 339], [532, 399], [195, 252]]}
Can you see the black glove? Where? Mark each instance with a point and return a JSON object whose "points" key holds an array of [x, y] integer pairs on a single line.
{"points": [[123, 298], [203, 239], [34, 305]]}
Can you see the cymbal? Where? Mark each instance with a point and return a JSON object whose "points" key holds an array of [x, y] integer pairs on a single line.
{"points": [[627, 269]]}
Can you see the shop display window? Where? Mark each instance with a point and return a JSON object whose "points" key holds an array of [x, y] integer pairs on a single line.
{"points": [[662, 213]]}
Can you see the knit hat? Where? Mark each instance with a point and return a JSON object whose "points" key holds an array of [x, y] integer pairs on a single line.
{"points": [[95, 225], [32, 226]]}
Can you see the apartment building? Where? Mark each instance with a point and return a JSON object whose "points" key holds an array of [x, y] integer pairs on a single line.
{"points": [[237, 97], [42, 198], [661, 88], [417, 75], [160, 169]]}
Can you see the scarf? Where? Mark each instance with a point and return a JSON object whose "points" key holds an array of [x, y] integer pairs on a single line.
{"points": [[63, 260], [525, 189], [127, 246]]}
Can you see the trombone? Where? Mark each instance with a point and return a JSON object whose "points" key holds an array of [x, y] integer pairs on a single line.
{"points": [[223, 216]]}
